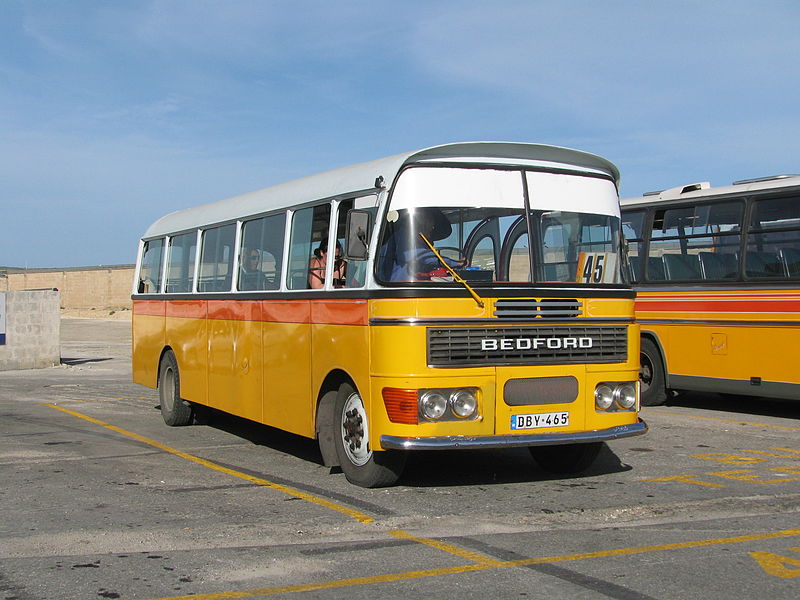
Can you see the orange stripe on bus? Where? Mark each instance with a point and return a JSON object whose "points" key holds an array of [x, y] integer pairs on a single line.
{"points": [[286, 311], [187, 309], [154, 308], [236, 310], [332, 312], [339, 312], [718, 305]]}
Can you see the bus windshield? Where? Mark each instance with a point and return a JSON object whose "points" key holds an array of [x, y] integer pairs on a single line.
{"points": [[476, 220]]}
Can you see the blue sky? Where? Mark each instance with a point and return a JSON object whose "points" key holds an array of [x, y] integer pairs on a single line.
{"points": [[114, 113]]}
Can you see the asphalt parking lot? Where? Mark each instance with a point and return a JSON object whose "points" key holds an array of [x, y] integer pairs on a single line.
{"points": [[101, 500]]}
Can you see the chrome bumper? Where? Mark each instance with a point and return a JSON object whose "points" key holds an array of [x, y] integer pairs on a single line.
{"points": [[391, 442]]}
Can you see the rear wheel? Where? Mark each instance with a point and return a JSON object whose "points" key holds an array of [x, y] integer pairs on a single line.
{"points": [[360, 464], [569, 458], [175, 411], [651, 375]]}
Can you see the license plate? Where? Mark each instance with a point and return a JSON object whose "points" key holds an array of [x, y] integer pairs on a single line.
{"points": [[539, 420]]}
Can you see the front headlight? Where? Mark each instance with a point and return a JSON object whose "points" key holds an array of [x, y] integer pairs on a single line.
{"points": [[463, 404], [604, 396], [625, 396], [433, 405]]}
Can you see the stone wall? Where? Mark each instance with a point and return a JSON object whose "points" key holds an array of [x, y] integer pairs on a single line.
{"points": [[102, 289], [33, 330]]}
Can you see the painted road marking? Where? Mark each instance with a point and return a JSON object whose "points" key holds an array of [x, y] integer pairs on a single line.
{"points": [[484, 566], [746, 475], [771, 563], [785, 567], [357, 515], [687, 479], [477, 557]]}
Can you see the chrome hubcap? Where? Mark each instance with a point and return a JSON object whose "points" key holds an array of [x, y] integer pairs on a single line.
{"points": [[645, 373], [355, 432]]}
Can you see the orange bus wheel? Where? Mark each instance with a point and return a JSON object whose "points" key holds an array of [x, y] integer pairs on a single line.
{"points": [[360, 464], [651, 375], [174, 410]]}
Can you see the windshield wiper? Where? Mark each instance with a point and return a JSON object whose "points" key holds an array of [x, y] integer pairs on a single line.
{"points": [[456, 276]]}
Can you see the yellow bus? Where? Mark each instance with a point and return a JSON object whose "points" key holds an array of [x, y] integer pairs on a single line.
{"points": [[718, 276], [468, 295]]}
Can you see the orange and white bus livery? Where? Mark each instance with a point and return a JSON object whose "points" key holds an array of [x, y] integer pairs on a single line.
{"points": [[717, 271], [462, 296]]}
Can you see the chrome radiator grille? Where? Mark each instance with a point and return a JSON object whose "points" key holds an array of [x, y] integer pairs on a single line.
{"points": [[489, 346], [529, 308]]}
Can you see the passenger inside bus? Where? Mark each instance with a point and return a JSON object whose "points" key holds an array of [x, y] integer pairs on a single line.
{"points": [[316, 267], [250, 275]]}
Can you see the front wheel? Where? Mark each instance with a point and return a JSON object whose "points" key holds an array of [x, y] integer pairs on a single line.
{"points": [[360, 464], [651, 375], [569, 458], [174, 410]]}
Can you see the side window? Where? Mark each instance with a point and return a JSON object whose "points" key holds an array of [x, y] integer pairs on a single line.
{"points": [[350, 273], [692, 243], [180, 263], [632, 224], [150, 270], [483, 257], [346, 273], [773, 241], [556, 243], [262, 253], [308, 248], [216, 259], [519, 263]]}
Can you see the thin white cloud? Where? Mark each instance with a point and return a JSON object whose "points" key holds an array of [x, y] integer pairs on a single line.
{"points": [[613, 62]]}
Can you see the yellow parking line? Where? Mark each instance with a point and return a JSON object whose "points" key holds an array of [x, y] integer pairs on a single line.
{"points": [[484, 566], [357, 515], [481, 559], [738, 422]]}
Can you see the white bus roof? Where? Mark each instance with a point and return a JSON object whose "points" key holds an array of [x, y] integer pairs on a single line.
{"points": [[703, 189], [362, 177]]}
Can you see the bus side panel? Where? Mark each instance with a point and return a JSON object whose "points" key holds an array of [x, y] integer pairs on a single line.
{"points": [[235, 370], [148, 331], [730, 352], [186, 334], [340, 337], [286, 343], [725, 335]]}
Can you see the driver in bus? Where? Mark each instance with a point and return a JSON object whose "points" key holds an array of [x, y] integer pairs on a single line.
{"points": [[407, 254]]}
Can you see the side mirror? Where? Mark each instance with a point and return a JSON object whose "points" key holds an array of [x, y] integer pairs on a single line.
{"points": [[357, 234]]}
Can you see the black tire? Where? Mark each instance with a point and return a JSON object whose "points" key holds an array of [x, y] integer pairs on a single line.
{"points": [[360, 464], [569, 458], [175, 411], [651, 375]]}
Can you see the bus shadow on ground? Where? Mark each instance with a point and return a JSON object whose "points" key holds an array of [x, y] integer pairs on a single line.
{"points": [[261, 435], [746, 405], [441, 468], [447, 468]]}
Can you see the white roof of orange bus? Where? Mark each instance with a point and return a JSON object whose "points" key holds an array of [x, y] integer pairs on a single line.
{"points": [[703, 189], [362, 177]]}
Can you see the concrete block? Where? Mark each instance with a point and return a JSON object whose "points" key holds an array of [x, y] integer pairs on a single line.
{"points": [[33, 329]]}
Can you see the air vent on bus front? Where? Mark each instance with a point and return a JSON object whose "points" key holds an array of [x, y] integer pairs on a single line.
{"points": [[529, 308]]}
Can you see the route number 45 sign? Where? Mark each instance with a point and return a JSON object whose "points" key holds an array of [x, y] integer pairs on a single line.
{"points": [[597, 267]]}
